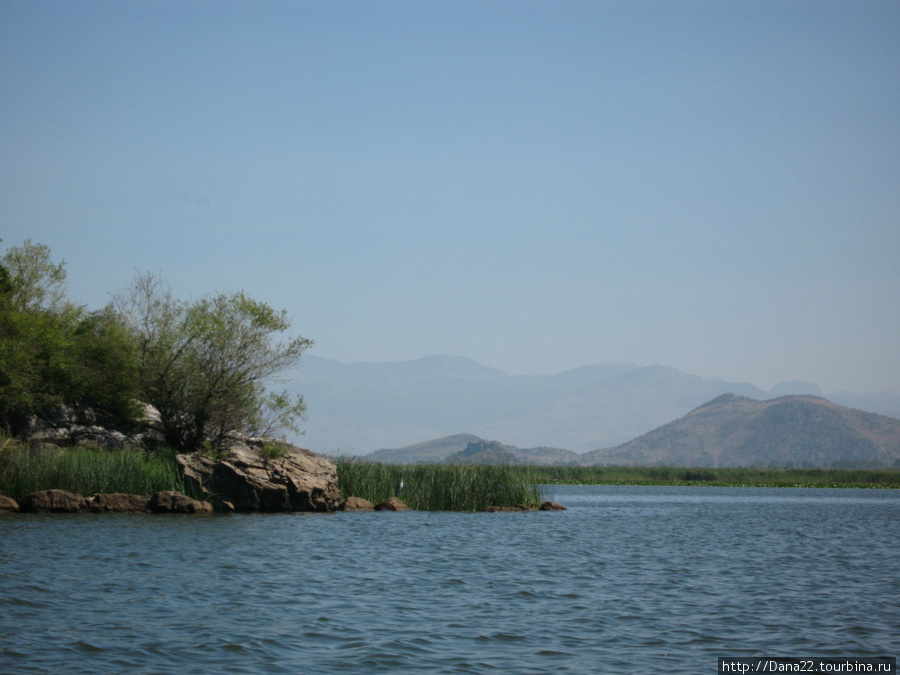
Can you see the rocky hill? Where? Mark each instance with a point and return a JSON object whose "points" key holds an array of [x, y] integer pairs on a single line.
{"points": [[484, 452], [789, 431], [427, 452]]}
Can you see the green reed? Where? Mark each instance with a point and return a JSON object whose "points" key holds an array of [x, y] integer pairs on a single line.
{"points": [[732, 477], [440, 487], [85, 471]]}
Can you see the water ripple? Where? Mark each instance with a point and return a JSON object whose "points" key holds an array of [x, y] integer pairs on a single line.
{"points": [[629, 579]]}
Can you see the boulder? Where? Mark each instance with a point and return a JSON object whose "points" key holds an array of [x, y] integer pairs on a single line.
{"points": [[297, 481], [169, 501], [552, 506], [518, 508], [117, 503], [392, 504], [356, 504], [52, 501], [8, 504]]}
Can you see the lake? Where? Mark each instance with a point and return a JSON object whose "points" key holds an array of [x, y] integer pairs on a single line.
{"points": [[629, 579]]}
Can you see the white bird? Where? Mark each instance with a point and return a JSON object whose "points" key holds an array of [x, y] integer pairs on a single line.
{"points": [[399, 486]]}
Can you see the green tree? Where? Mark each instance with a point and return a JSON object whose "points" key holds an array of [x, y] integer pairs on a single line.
{"points": [[37, 283], [53, 352], [205, 365]]}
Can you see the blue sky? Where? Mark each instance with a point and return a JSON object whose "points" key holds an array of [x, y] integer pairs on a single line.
{"points": [[713, 186]]}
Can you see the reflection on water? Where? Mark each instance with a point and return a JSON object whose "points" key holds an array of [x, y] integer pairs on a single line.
{"points": [[628, 579]]}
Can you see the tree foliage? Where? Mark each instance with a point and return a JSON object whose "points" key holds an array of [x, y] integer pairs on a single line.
{"points": [[54, 352], [37, 283], [205, 364]]}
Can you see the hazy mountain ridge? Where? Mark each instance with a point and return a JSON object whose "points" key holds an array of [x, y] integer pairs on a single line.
{"points": [[466, 448], [729, 431], [356, 407]]}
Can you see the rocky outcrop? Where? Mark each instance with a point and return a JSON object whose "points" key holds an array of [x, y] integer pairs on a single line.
{"points": [[522, 508], [60, 501], [518, 508], [244, 480], [552, 506], [169, 501], [67, 425], [118, 502], [52, 501], [392, 504], [356, 504], [8, 504]]}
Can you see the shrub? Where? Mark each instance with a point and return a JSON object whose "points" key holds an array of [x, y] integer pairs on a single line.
{"points": [[272, 451]]}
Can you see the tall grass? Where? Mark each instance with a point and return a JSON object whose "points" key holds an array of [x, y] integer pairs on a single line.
{"points": [[85, 471], [653, 475], [440, 487]]}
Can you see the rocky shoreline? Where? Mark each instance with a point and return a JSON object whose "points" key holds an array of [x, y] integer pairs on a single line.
{"points": [[249, 475], [60, 501], [169, 501]]}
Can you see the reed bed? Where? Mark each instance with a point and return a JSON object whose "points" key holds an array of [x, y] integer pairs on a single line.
{"points": [[85, 471], [731, 477], [441, 487]]}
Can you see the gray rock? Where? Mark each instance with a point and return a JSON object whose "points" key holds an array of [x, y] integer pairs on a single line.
{"points": [[298, 481], [77, 425]]}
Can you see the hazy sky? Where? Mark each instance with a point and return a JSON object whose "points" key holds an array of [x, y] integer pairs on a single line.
{"points": [[713, 186]]}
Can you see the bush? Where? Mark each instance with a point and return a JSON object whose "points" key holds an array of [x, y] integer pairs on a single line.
{"points": [[272, 451]]}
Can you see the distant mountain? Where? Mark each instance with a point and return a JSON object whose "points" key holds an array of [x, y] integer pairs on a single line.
{"points": [[790, 431], [484, 452], [466, 448], [426, 452], [885, 403], [356, 407]]}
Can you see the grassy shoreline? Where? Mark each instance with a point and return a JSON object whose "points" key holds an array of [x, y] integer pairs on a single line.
{"points": [[884, 479], [87, 471], [429, 487], [441, 487]]}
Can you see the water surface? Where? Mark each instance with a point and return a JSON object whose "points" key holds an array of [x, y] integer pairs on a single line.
{"points": [[627, 580]]}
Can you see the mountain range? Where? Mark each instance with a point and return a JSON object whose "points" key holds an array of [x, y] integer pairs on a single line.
{"points": [[356, 408], [729, 431]]}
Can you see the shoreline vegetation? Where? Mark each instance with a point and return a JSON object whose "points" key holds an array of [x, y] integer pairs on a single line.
{"points": [[87, 471], [884, 479], [441, 487]]}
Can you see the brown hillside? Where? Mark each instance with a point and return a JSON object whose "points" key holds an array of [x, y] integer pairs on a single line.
{"points": [[791, 431]]}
